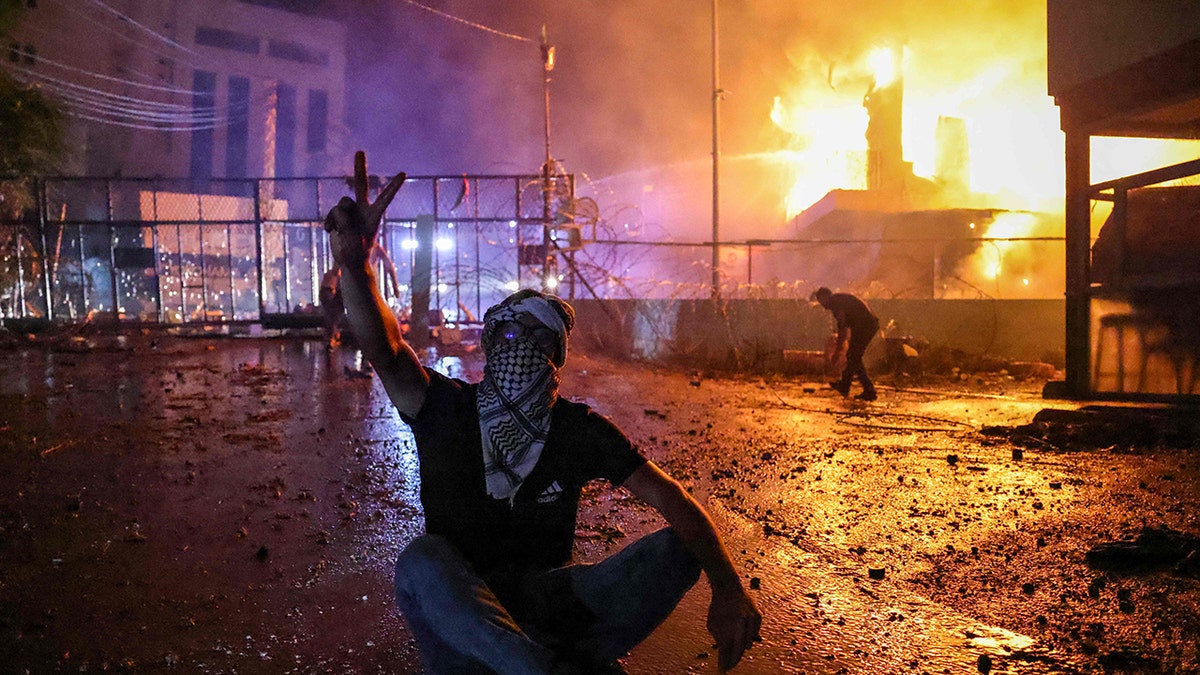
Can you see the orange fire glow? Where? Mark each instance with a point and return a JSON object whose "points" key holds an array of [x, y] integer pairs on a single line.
{"points": [[1012, 127], [1006, 226], [1015, 147], [1015, 144]]}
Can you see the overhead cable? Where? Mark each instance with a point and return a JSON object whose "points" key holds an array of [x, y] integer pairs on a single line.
{"points": [[149, 30], [149, 127], [201, 116], [58, 36], [74, 8], [109, 78], [42, 77], [200, 62], [472, 24]]}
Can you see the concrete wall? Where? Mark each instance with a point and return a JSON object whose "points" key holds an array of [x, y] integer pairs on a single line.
{"points": [[753, 334]]}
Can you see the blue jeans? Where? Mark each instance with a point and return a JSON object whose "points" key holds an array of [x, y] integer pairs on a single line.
{"points": [[573, 616]]}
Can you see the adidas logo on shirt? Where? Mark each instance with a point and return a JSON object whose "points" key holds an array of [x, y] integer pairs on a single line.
{"points": [[552, 494]]}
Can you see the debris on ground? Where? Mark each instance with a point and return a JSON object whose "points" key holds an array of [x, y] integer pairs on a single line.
{"points": [[1153, 548], [233, 505], [1090, 427]]}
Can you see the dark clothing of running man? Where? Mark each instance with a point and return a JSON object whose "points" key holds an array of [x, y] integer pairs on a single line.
{"points": [[853, 316]]}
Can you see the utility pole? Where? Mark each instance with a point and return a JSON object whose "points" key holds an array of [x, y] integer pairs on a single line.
{"points": [[716, 160], [549, 264]]}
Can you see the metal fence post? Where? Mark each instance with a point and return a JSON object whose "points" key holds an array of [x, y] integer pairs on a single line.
{"points": [[437, 256], [112, 254], [20, 275], [158, 299], [478, 273], [39, 189], [258, 249]]}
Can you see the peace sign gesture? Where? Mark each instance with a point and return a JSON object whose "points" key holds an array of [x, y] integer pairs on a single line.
{"points": [[353, 223]]}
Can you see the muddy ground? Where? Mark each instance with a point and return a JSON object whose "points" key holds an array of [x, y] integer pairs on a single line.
{"points": [[233, 505]]}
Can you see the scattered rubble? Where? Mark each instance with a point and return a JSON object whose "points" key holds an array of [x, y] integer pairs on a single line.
{"points": [[1154, 548], [231, 505], [1121, 429]]}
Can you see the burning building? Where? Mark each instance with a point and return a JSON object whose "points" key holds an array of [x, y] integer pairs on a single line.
{"points": [[904, 235]]}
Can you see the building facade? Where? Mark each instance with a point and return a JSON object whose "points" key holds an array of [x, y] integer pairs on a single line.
{"points": [[198, 89]]}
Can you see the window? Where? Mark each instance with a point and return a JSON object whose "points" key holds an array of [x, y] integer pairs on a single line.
{"points": [[285, 131], [18, 52], [204, 87], [292, 51], [237, 134], [318, 120], [226, 39]]}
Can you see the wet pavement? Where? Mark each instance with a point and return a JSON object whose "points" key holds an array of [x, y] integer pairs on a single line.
{"points": [[234, 505]]}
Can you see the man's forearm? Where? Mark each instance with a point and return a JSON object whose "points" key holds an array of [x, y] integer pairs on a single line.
{"points": [[732, 617], [372, 322], [689, 520], [700, 535]]}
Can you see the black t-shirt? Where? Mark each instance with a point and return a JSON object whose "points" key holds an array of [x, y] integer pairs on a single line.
{"points": [[850, 311], [538, 529]]}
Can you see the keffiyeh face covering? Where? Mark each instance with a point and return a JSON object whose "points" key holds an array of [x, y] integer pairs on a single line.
{"points": [[515, 397]]}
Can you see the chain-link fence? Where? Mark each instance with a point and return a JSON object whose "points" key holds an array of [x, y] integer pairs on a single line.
{"points": [[1009, 268], [225, 251], [172, 251]]}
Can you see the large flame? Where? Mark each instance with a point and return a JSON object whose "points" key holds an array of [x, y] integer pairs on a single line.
{"points": [[884, 65], [1015, 144], [1002, 231], [834, 156]]}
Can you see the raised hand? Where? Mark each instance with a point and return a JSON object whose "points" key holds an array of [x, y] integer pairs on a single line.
{"points": [[354, 223]]}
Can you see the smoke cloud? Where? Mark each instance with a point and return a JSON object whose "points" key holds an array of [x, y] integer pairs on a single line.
{"points": [[631, 94]]}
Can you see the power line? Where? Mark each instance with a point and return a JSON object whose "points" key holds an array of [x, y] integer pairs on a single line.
{"points": [[149, 30], [472, 24], [55, 83], [96, 105], [205, 115], [149, 127], [201, 62], [107, 109], [74, 9], [101, 76], [113, 112], [59, 37]]}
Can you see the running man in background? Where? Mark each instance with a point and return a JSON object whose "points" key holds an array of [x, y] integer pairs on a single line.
{"points": [[854, 317]]}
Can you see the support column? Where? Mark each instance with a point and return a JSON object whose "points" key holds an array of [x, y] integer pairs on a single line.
{"points": [[422, 268], [1078, 259]]}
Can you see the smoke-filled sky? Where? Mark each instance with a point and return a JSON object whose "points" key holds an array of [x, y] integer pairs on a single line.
{"points": [[633, 82]]}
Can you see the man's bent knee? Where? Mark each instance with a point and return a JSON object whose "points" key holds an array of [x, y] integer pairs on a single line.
{"points": [[427, 554], [677, 555]]}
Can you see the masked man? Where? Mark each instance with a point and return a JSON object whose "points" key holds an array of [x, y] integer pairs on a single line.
{"points": [[490, 586]]}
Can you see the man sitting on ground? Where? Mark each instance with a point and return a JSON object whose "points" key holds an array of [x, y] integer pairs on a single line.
{"points": [[490, 587]]}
